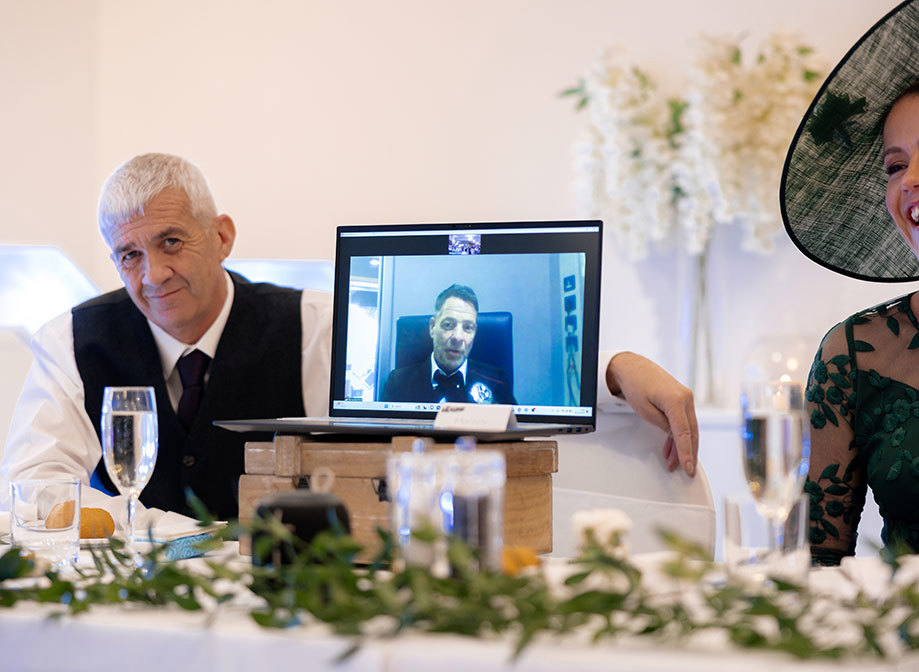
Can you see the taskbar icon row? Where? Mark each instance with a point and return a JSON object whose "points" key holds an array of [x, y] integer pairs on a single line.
{"points": [[434, 407]]}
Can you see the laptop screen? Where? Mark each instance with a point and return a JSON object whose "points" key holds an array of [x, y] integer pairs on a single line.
{"points": [[487, 313]]}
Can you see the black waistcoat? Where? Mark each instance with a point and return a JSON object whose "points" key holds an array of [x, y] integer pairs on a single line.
{"points": [[256, 373]]}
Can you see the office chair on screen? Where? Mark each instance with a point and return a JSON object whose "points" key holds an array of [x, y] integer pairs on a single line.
{"points": [[493, 345]]}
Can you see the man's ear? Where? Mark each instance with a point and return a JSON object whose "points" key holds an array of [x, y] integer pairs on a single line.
{"points": [[431, 327], [226, 234]]}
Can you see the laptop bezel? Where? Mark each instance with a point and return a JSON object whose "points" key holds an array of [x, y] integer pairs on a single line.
{"points": [[589, 331]]}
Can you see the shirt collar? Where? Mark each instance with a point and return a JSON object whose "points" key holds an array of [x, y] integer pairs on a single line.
{"points": [[171, 349], [435, 369]]}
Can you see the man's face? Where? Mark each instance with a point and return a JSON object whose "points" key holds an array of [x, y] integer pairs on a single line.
{"points": [[452, 331], [171, 264]]}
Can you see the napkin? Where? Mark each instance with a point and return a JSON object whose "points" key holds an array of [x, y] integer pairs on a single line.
{"points": [[182, 533], [172, 525]]}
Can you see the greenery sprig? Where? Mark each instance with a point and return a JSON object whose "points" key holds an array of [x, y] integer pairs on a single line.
{"points": [[604, 593]]}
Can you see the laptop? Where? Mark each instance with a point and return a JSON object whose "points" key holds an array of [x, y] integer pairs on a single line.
{"points": [[531, 343]]}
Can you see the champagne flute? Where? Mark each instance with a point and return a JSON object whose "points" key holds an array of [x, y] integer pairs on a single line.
{"points": [[129, 446], [776, 450]]}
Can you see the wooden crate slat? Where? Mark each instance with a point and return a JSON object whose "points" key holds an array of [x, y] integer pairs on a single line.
{"points": [[279, 466]]}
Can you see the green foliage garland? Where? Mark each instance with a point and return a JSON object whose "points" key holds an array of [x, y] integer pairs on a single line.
{"points": [[604, 594]]}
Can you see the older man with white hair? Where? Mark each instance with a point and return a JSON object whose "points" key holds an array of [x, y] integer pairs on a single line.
{"points": [[211, 344]]}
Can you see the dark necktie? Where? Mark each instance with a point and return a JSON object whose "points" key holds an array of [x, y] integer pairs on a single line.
{"points": [[192, 368], [449, 387]]}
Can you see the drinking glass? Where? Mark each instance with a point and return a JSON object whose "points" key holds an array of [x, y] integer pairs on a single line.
{"points": [[129, 446], [45, 519], [747, 538], [472, 500], [414, 481], [458, 492], [776, 449]]}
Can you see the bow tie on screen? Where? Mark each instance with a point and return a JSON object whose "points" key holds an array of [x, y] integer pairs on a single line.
{"points": [[450, 388], [192, 368]]}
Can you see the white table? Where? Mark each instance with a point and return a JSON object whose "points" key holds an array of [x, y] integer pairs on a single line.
{"points": [[142, 640], [132, 639]]}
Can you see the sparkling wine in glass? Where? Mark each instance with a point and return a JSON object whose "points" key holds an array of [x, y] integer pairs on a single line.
{"points": [[776, 449], [129, 445]]}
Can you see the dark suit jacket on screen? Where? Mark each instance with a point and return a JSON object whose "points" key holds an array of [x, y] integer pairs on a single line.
{"points": [[413, 383]]}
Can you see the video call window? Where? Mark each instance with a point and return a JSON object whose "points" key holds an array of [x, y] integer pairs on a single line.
{"points": [[509, 326]]}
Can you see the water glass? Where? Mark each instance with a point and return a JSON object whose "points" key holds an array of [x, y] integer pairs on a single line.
{"points": [[776, 445], [754, 553], [45, 519], [129, 446]]}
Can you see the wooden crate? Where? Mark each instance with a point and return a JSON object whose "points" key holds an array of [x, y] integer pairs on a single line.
{"points": [[287, 463]]}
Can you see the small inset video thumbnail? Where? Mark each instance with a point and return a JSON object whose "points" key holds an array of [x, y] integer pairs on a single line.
{"points": [[465, 243]]}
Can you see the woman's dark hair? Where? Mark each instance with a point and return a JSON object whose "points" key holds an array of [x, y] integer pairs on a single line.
{"points": [[911, 90]]}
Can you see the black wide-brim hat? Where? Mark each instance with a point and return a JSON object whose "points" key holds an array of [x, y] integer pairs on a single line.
{"points": [[833, 185]]}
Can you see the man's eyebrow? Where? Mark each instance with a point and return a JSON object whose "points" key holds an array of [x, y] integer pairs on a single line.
{"points": [[168, 232]]}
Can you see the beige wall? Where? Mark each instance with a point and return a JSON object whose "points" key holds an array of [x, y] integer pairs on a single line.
{"points": [[310, 114], [48, 138]]}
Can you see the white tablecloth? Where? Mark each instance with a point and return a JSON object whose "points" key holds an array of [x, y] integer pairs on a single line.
{"points": [[174, 641], [131, 639]]}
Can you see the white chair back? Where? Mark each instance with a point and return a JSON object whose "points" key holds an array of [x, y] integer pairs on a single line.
{"points": [[621, 466]]}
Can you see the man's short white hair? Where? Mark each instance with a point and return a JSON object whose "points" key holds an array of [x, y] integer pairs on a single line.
{"points": [[136, 182]]}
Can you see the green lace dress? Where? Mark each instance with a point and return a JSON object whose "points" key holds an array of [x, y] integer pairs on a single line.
{"points": [[863, 402]]}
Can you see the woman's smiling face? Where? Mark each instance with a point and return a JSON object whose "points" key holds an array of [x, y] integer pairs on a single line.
{"points": [[901, 163]]}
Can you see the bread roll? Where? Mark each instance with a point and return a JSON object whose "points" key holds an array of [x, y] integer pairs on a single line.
{"points": [[94, 523], [61, 516]]}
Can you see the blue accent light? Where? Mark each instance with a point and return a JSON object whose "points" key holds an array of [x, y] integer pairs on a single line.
{"points": [[446, 506]]}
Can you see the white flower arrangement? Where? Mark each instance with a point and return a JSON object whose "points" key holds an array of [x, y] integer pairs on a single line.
{"points": [[710, 157], [622, 160], [607, 527]]}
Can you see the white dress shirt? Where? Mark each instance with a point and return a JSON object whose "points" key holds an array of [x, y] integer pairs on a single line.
{"points": [[51, 435], [172, 349], [435, 367]]}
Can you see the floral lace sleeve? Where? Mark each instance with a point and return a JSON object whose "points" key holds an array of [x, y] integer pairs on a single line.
{"points": [[836, 478]]}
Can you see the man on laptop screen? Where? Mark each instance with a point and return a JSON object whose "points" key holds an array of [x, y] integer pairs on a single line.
{"points": [[448, 374], [505, 314]]}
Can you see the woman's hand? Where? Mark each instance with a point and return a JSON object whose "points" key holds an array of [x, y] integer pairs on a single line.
{"points": [[662, 400]]}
